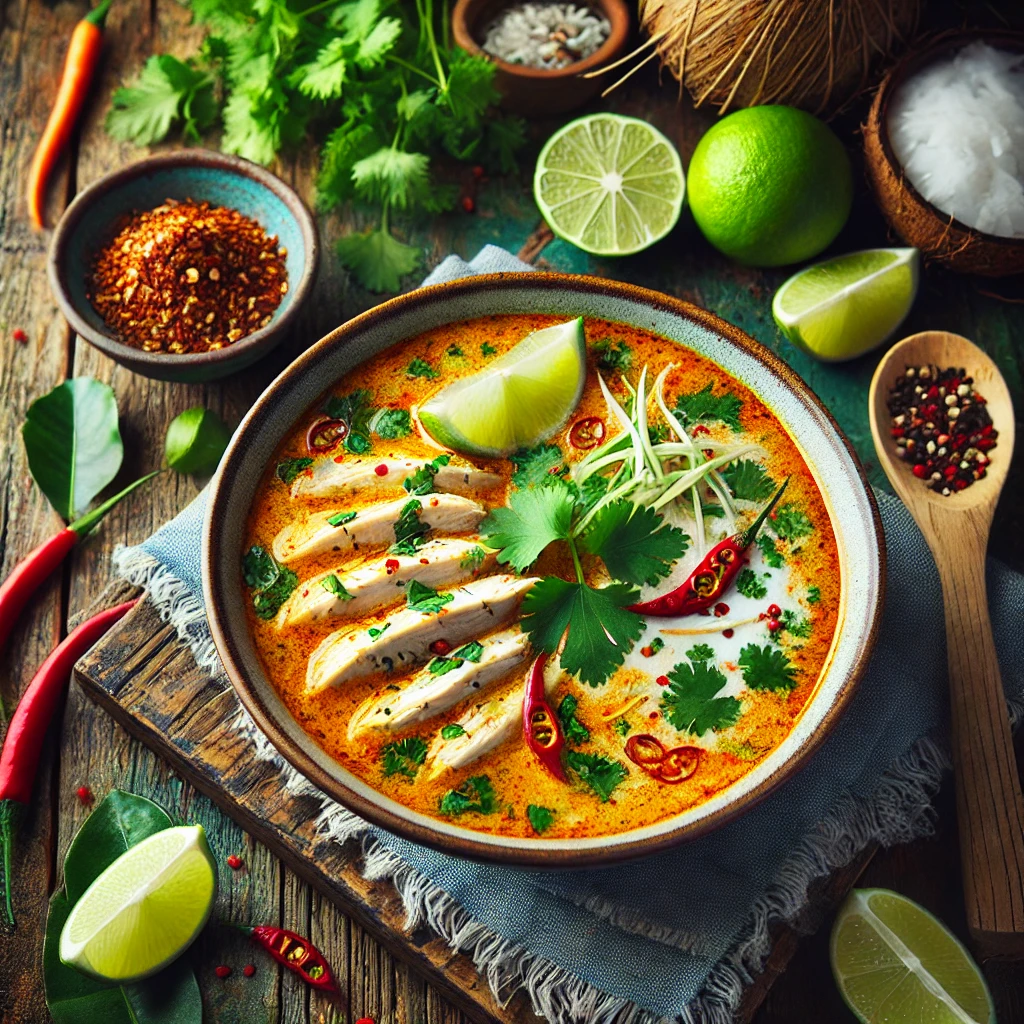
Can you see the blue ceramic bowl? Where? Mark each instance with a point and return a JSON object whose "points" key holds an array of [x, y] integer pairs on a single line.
{"points": [[197, 174]]}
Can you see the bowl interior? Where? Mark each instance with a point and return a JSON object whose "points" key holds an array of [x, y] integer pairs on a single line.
{"points": [[839, 477], [218, 185]]}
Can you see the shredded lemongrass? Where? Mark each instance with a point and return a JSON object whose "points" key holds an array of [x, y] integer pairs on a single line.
{"points": [[633, 702], [716, 627]]}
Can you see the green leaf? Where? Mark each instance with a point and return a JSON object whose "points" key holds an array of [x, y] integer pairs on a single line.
{"points": [[749, 481], [622, 727], [272, 584], [288, 469], [539, 466], [354, 408], [452, 731], [421, 368], [611, 355], [701, 652], [471, 87], [600, 773], [334, 586], [391, 424], [421, 598], [170, 997], [772, 555], [534, 519], [356, 443], [252, 126], [196, 440], [767, 668], [378, 260], [473, 559], [749, 585], [634, 542], [409, 529], [791, 524], [796, 625], [487, 349], [422, 481], [392, 176], [573, 729], [376, 632], [73, 443], [473, 651], [813, 595], [119, 821], [504, 138], [403, 757], [601, 629], [341, 518], [475, 794], [690, 702], [380, 40], [541, 818], [703, 405], [345, 146], [324, 77]]}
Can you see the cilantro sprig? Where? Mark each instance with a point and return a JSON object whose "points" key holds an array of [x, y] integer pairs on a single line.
{"points": [[271, 584], [691, 702], [403, 757]]}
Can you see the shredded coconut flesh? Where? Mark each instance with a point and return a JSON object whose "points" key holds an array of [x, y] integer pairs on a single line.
{"points": [[957, 130], [546, 36]]}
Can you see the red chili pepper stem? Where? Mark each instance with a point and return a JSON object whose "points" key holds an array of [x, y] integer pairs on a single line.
{"points": [[540, 725], [748, 537]]}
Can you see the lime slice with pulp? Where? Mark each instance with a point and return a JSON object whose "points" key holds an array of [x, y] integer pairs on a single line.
{"points": [[844, 307], [896, 963], [609, 184], [522, 398], [145, 909]]}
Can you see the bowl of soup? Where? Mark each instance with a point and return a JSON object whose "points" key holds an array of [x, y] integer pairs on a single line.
{"points": [[604, 697]]}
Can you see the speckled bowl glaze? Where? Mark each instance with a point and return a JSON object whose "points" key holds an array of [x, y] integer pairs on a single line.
{"points": [[839, 475], [197, 174]]}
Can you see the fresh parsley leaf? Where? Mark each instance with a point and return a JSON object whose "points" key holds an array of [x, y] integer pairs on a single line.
{"points": [[288, 469], [690, 702], [403, 757], [601, 628], [409, 529], [813, 595], [767, 668], [749, 585], [475, 794], [796, 625], [749, 480], [771, 553], [600, 773], [377, 259], [703, 405], [421, 598], [376, 632], [612, 355], [340, 518], [573, 729], [452, 731], [541, 818], [421, 368], [334, 586], [536, 467], [622, 727], [790, 523], [486, 349], [391, 424], [272, 584], [422, 481], [473, 559], [535, 517], [634, 542]]}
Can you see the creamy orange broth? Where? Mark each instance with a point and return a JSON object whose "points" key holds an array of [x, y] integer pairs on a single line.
{"points": [[517, 777]]}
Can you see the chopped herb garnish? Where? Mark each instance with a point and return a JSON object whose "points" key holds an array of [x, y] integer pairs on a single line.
{"points": [[813, 595], [391, 424], [354, 408], [452, 731], [690, 703], [421, 598], [541, 818], [600, 773], [341, 518], [612, 355], [622, 727], [421, 368], [749, 481], [771, 553], [288, 469], [700, 652], [749, 585], [334, 586], [572, 728], [271, 584], [536, 467], [475, 794], [487, 349], [422, 481], [593, 490], [791, 524], [796, 625], [454, 351], [259, 570], [651, 649], [376, 632], [409, 529], [473, 651], [703, 405], [767, 668], [473, 559], [403, 757], [357, 443]]}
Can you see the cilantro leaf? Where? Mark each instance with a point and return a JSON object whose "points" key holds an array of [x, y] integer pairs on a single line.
{"points": [[791, 524], [421, 368], [347, 144], [600, 773], [252, 124], [538, 466], [376, 632], [354, 408], [573, 729], [454, 351], [452, 731], [703, 405], [534, 518], [473, 559], [612, 355], [403, 757], [690, 702], [409, 529], [593, 489], [771, 553], [601, 628], [259, 569], [422, 481], [622, 727], [634, 542], [271, 584], [749, 585], [487, 349], [324, 77], [767, 668], [334, 586], [748, 480], [391, 424], [440, 666], [378, 42], [340, 518], [796, 625], [288, 469], [421, 598], [475, 794], [377, 259], [541, 818], [813, 595]]}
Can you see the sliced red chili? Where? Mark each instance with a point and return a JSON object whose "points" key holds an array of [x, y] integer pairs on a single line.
{"points": [[678, 764], [325, 435], [540, 726], [645, 750], [297, 954], [587, 433]]}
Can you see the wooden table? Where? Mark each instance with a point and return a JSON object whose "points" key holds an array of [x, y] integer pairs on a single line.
{"points": [[87, 748]]}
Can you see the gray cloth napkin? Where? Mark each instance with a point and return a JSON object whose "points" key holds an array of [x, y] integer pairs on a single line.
{"points": [[680, 933]]}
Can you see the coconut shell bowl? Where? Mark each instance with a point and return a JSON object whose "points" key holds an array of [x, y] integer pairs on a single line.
{"points": [[941, 238], [535, 92], [200, 175]]}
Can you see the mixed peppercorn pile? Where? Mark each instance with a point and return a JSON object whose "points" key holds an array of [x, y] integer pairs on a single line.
{"points": [[188, 277], [942, 427]]}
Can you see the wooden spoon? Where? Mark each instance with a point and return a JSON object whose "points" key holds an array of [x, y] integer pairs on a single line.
{"points": [[990, 807]]}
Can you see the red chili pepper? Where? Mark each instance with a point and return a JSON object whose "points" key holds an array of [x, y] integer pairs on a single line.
{"points": [[296, 953], [587, 432], [678, 764], [645, 750], [325, 435], [713, 576], [19, 758], [543, 734]]}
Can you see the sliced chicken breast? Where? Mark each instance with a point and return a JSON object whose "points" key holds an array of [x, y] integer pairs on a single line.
{"points": [[373, 527], [432, 692], [403, 642], [382, 581], [327, 478]]}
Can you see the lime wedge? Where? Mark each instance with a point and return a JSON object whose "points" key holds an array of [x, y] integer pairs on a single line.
{"points": [[145, 909], [894, 962], [521, 399], [611, 185], [846, 306]]}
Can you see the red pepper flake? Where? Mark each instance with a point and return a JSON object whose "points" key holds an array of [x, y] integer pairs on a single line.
{"points": [[654, 716], [467, 204], [728, 633], [478, 172], [20, 336], [366, 1020], [249, 970], [84, 794], [222, 972], [440, 648], [235, 862], [339, 458], [381, 470], [391, 565], [647, 652], [721, 609], [424, 561], [662, 680]]}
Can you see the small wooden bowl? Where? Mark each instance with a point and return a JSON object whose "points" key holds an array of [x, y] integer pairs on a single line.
{"points": [[940, 237], [534, 92]]}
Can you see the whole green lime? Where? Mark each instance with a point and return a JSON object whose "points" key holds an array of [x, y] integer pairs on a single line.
{"points": [[770, 185]]}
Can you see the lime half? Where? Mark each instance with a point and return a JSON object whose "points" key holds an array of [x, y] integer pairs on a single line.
{"points": [[521, 399], [609, 184], [894, 962], [846, 306], [145, 909]]}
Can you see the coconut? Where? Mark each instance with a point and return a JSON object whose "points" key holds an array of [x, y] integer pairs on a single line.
{"points": [[805, 53], [941, 238]]}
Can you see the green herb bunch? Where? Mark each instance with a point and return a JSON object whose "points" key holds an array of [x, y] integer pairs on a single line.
{"points": [[378, 82]]}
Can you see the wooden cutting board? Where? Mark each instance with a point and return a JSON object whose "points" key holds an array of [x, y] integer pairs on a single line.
{"points": [[147, 679]]}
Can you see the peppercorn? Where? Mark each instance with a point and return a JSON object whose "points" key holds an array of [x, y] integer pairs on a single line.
{"points": [[20, 336], [222, 972], [249, 970], [467, 204], [234, 862], [84, 794]]}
